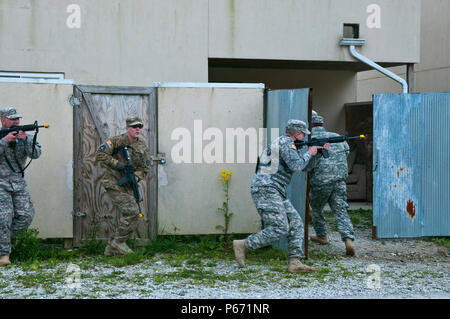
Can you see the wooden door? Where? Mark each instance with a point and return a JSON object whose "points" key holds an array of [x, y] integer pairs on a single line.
{"points": [[99, 113]]}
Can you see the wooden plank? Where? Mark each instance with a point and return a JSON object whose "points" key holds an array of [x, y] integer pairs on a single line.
{"points": [[77, 167], [123, 90], [152, 141], [99, 124], [111, 111]]}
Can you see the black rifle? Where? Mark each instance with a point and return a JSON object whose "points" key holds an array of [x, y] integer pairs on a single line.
{"points": [[323, 141], [17, 128], [130, 178]]}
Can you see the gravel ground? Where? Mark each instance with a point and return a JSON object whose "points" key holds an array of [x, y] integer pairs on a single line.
{"points": [[406, 269]]}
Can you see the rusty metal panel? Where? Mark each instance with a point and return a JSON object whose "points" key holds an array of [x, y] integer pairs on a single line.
{"points": [[411, 160], [282, 105]]}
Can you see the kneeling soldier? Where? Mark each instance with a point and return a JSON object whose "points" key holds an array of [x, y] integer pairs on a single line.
{"points": [[269, 191]]}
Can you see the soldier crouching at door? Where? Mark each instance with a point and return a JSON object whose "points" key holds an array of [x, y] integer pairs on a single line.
{"points": [[111, 158]]}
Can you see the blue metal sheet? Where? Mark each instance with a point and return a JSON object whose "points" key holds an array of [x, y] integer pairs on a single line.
{"points": [[411, 165], [282, 105]]}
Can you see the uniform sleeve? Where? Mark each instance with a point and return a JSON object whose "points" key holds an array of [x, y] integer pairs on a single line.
{"points": [[3, 145], [295, 161], [36, 153], [144, 167], [313, 162], [104, 154]]}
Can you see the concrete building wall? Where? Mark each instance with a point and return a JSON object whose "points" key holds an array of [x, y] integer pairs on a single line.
{"points": [[331, 89], [137, 42], [432, 74], [119, 42], [311, 30], [50, 177]]}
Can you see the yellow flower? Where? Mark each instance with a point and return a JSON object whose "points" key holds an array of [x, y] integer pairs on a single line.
{"points": [[221, 178], [223, 171], [230, 173]]}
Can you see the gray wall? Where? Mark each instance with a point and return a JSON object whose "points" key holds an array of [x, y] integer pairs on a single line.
{"points": [[310, 30], [119, 42], [432, 74], [137, 42]]}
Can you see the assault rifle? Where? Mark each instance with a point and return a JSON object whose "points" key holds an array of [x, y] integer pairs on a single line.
{"points": [[323, 141], [130, 178], [17, 128]]}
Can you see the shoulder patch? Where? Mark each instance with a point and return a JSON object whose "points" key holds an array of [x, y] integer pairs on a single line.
{"points": [[109, 144], [102, 148], [293, 147]]}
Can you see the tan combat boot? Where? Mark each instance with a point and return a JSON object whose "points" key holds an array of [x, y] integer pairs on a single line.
{"points": [[323, 240], [296, 266], [349, 247], [4, 260], [109, 251], [120, 247], [239, 247]]}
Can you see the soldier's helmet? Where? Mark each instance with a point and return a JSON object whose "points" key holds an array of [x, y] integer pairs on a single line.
{"points": [[134, 121], [10, 113], [316, 118], [297, 125]]}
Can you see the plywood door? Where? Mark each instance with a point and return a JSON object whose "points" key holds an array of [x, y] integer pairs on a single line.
{"points": [[103, 115]]}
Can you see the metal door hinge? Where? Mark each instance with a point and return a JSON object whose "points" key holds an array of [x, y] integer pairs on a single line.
{"points": [[78, 214], [74, 101]]}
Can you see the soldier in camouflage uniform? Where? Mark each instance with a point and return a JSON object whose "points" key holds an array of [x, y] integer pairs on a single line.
{"points": [[327, 185], [16, 207], [268, 188], [110, 157]]}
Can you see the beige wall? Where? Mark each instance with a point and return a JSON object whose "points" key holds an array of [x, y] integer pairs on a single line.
{"points": [[331, 89], [311, 30], [432, 74], [119, 42], [190, 193], [49, 177]]}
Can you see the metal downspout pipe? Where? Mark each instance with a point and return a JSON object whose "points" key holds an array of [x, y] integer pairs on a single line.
{"points": [[351, 44]]}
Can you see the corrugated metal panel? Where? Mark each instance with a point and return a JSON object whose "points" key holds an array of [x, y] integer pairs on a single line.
{"points": [[411, 154], [281, 106]]}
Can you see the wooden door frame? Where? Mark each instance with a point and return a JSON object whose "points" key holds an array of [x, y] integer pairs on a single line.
{"points": [[82, 94]]}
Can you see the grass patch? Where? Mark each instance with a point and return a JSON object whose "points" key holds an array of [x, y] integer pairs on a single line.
{"points": [[443, 241], [360, 218]]}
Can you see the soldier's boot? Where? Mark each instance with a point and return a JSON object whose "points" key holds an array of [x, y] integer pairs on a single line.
{"points": [[323, 240], [120, 247], [349, 247], [239, 247], [295, 266], [109, 251], [4, 260]]}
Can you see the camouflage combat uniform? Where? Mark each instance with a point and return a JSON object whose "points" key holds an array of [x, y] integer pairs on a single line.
{"points": [[276, 166], [327, 185], [16, 207], [109, 156]]}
